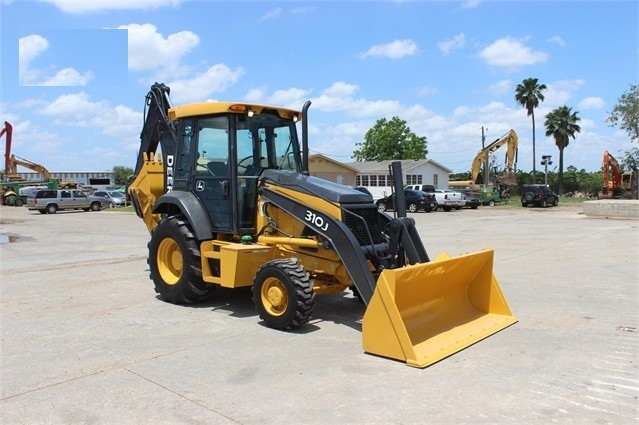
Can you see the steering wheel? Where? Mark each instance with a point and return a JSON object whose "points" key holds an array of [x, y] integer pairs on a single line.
{"points": [[244, 166]]}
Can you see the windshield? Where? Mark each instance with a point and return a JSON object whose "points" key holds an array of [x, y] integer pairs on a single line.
{"points": [[116, 194], [269, 140]]}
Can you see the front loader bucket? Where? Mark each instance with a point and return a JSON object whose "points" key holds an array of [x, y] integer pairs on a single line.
{"points": [[423, 313]]}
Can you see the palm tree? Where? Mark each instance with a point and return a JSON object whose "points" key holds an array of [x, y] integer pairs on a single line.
{"points": [[561, 124], [528, 94]]}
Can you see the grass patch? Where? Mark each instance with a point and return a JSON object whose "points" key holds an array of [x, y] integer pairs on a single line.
{"points": [[128, 209], [515, 202]]}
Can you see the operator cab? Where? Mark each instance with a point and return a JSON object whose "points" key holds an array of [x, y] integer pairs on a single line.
{"points": [[221, 156]]}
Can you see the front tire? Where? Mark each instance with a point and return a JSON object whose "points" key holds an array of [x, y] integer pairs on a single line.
{"points": [[412, 208], [283, 294], [381, 206], [174, 262], [95, 206]]}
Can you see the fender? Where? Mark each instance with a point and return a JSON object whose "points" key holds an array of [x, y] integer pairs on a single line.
{"points": [[188, 204]]}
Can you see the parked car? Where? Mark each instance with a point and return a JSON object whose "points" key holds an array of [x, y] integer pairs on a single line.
{"points": [[539, 195], [471, 202], [416, 200], [51, 201], [446, 199], [110, 199]]}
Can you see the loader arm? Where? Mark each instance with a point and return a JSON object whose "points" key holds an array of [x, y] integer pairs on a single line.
{"points": [[338, 236], [400, 246]]}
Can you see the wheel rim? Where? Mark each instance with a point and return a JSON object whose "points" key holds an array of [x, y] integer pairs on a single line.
{"points": [[274, 297], [169, 261]]}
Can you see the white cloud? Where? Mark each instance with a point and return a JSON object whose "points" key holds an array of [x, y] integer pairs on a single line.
{"points": [[68, 77], [215, 79], [456, 42], [557, 40], [395, 50], [78, 110], [559, 93], [592, 103], [32, 46], [271, 14], [150, 50], [29, 48], [510, 53], [499, 87], [427, 91], [255, 95], [91, 6], [471, 4]]}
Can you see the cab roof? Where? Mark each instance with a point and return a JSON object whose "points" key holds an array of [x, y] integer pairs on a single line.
{"points": [[208, 108]]}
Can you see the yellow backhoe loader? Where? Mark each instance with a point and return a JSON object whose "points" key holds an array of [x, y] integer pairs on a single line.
{"points": [[225, 192]]}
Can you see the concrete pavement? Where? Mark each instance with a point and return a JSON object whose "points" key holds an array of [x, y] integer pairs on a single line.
{"points": [[85, 340]]}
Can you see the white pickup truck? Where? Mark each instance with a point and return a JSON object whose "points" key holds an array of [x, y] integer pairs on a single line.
{"points": [[446, 199]]}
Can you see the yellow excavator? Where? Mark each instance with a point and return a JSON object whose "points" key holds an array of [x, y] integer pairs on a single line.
{"points": [[11, 163], [15, 161], [226, 194], [488, 195]]}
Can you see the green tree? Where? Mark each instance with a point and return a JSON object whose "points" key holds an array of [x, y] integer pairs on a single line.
{"points": [[528, 94], [561, 124], [390, 140], [121, 174], [626, 114]]}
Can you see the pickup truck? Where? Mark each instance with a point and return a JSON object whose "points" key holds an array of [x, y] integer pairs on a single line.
{"points": [[51, 201], [446, 199]]}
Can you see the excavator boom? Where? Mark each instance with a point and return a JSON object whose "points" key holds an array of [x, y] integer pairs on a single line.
{"points": [[7, 131], [511, 141]]}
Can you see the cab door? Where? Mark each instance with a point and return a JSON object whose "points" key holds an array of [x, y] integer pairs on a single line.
{"points": [[211, 179]]}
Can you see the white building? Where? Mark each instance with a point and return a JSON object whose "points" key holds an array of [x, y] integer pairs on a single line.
{"points": [[376, 175]]}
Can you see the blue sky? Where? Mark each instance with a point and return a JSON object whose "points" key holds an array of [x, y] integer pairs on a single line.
{"points": [[75, 73]]}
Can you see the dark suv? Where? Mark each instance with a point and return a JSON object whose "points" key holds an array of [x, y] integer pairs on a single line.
{"points": [[415, 200], [539, 195]]}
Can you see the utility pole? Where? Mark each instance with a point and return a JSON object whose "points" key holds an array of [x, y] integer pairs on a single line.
{"points": [[486, 167], [546, 161]]}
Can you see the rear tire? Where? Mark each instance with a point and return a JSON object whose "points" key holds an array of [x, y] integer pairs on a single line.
{"points": [[283, 294], [174, 262], [491, 203], [52, 208]]}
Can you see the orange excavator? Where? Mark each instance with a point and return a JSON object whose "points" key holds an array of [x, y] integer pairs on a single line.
{"points": [[614, 181]]}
